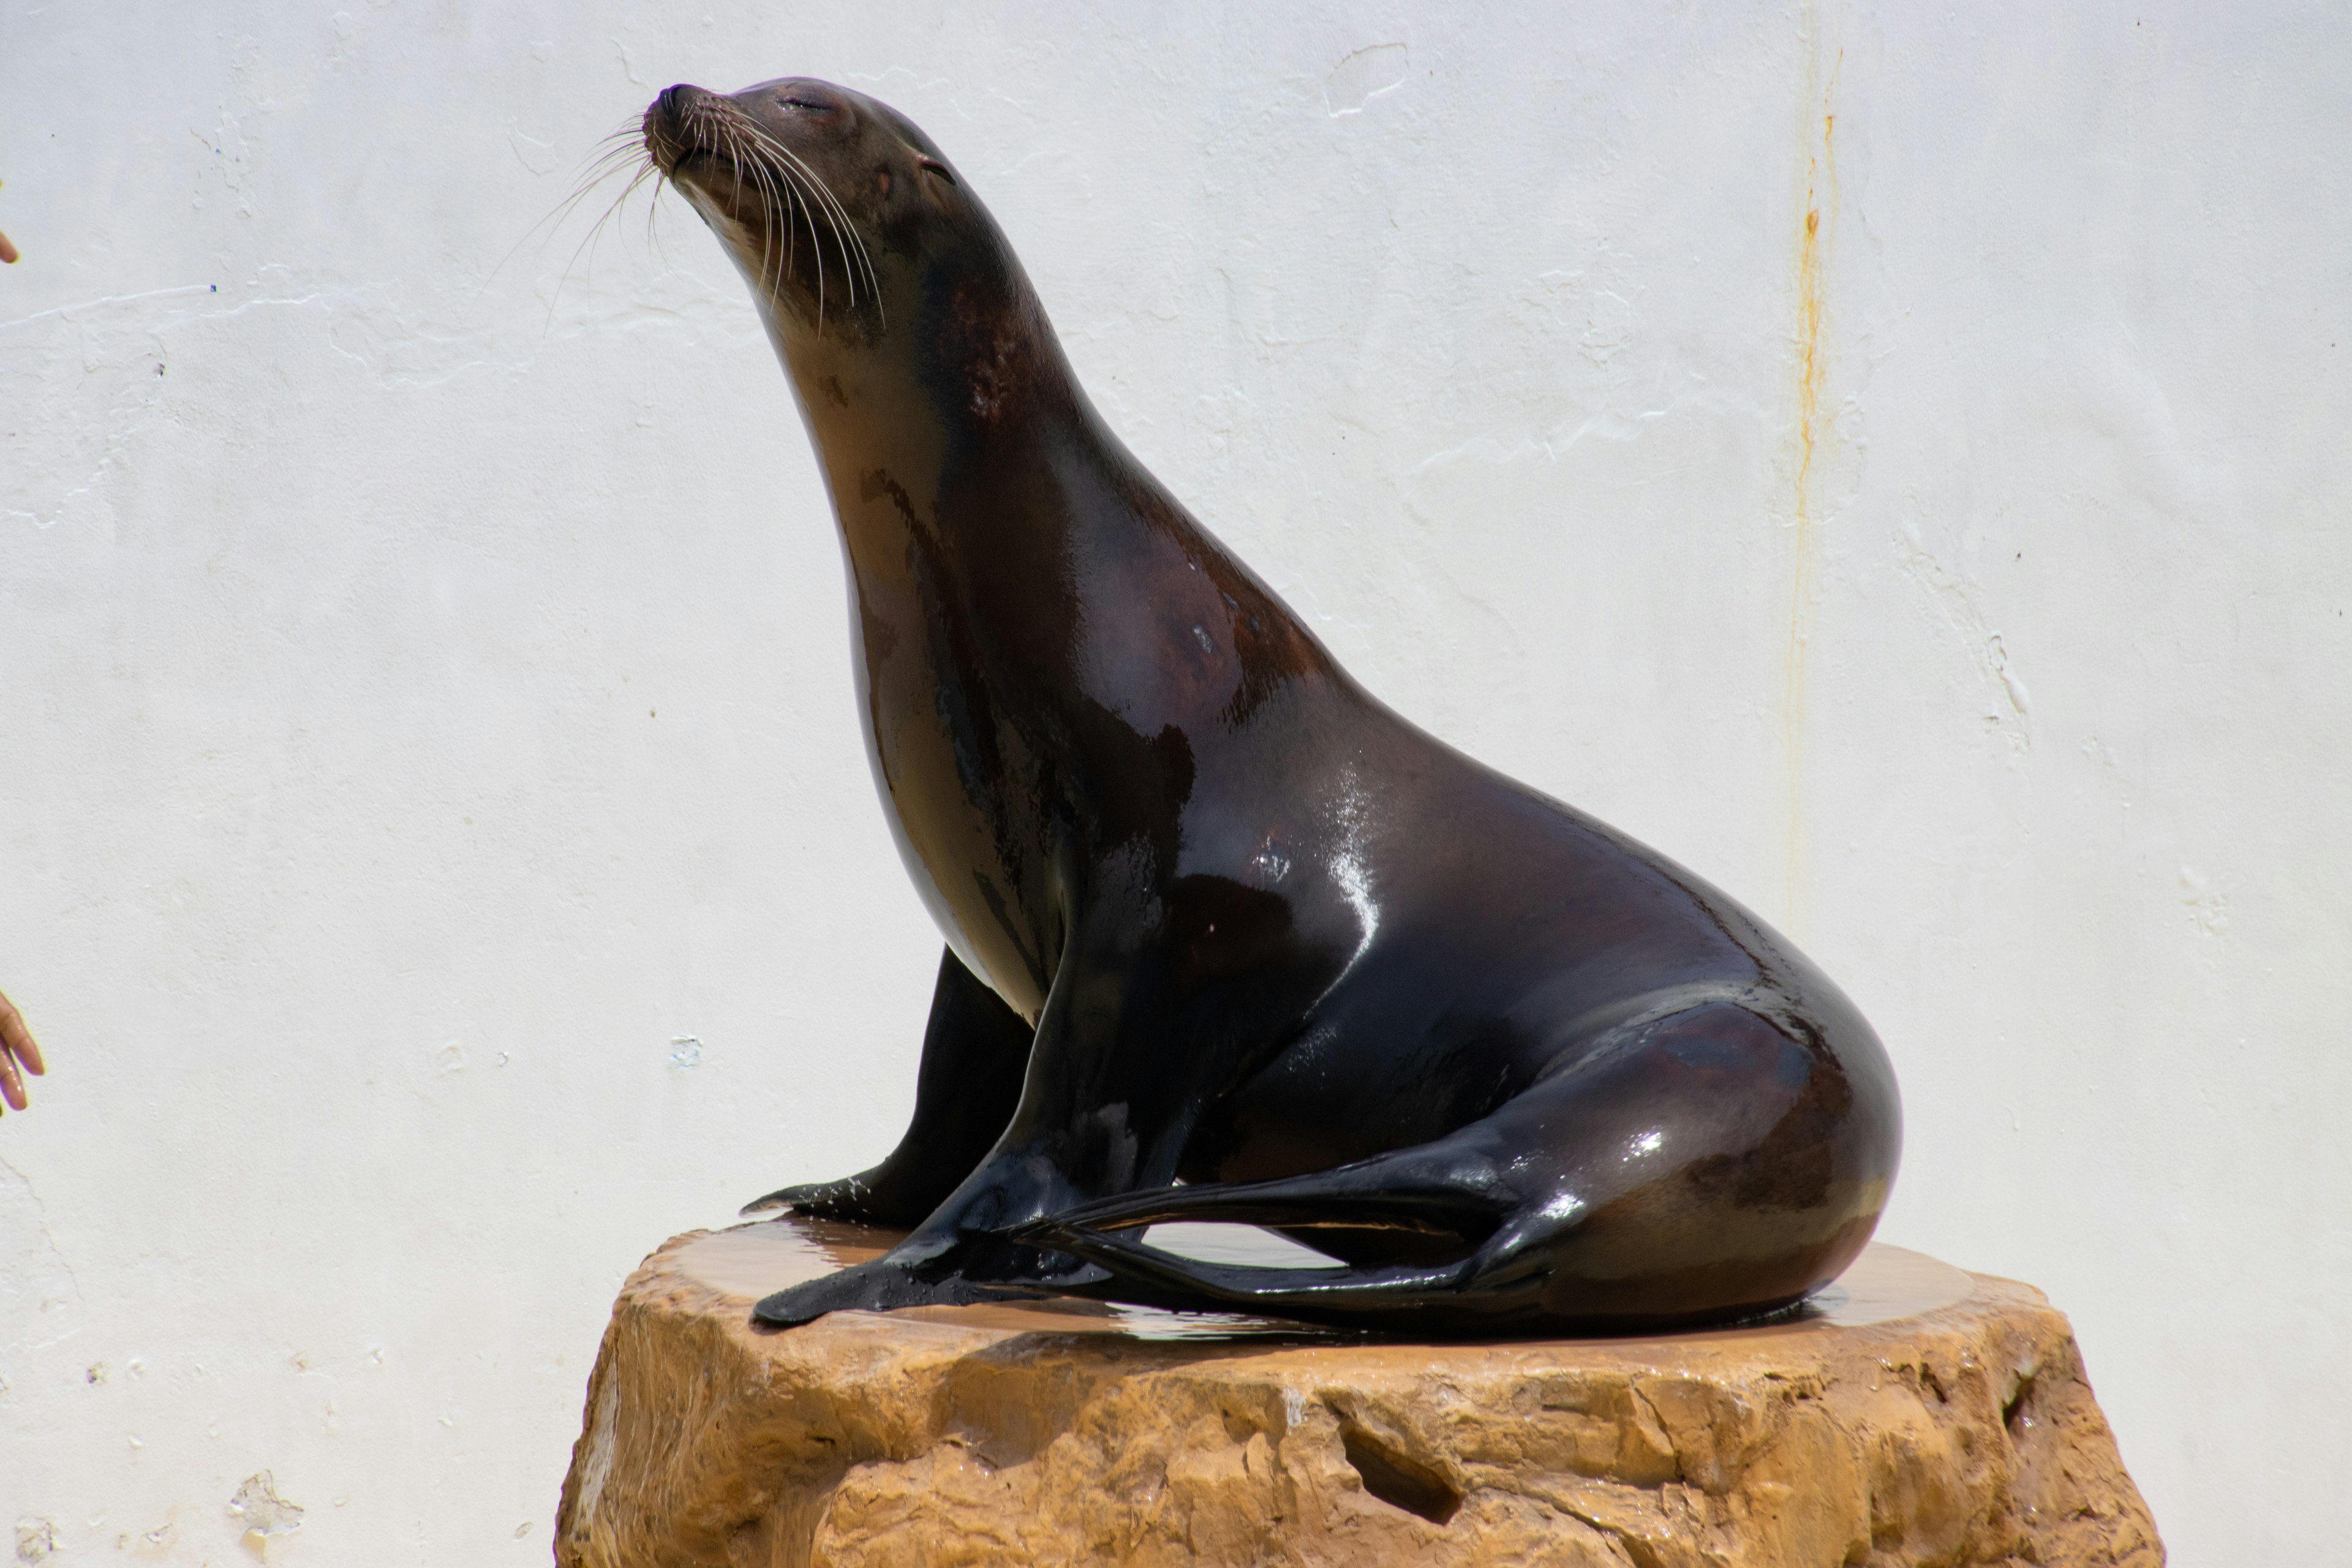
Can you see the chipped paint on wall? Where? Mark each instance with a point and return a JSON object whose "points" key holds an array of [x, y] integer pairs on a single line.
{"points": [[1364, 75], [261, 1511]]}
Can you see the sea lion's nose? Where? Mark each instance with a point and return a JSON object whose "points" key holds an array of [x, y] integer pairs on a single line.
{"points": [[676, 100]]}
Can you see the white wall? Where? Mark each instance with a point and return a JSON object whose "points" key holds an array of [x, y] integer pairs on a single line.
{"points": [[424, 691]]}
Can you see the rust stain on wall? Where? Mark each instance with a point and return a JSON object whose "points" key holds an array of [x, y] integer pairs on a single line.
{"points": [[1819, 151]]}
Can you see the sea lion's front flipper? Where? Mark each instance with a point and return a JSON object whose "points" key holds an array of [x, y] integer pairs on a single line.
{"points": [[881, 1286], [849, 1198], [975, 1049]]}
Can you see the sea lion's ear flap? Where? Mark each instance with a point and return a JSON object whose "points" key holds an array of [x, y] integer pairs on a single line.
{"points": [[933, 166]]}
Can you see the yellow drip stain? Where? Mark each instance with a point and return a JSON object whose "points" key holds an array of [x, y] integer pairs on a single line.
{"points": [[1821, 195]]}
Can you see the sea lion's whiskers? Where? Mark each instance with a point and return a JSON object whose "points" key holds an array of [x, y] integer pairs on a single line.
{"points": [[790, 190], [832, 220], [596, 234], [792, 239], [801, 196], [837, 217], [776, 211], [778, 199], [734, 155], [589, 241], [797, 192], [602, 168], [613, 208], [801, 186], [777, 203], [596, 169], [773, 214], [653, 210], [572, 204], [766, 207], [842, 222], [621, 149]]}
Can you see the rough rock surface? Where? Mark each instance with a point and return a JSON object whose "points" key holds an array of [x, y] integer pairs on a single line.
{"points": [[1923, 1416]]}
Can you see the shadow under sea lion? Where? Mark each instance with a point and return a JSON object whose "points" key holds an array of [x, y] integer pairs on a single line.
{"points": [[1227, 939]]}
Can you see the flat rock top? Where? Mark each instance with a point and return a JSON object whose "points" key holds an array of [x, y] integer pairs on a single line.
{"points": [[1912, 1414], [748, 1261]]}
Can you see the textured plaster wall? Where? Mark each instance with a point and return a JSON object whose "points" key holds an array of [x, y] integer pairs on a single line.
{"points": [[1892, 457]]}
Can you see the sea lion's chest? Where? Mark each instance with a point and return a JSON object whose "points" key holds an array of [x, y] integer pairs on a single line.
{"points": [[962, 781]]}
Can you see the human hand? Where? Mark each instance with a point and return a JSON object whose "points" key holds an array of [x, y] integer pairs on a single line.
{"points": [[16, 1048]]}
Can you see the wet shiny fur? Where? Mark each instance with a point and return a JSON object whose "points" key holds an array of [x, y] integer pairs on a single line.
{"points": [[1228, 940]]}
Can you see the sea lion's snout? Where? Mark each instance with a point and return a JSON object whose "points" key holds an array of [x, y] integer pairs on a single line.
{"points": [[670, 128]]}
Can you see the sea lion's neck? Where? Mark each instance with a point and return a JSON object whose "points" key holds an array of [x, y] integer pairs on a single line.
{"points": [[986, 508], [965, 436]]}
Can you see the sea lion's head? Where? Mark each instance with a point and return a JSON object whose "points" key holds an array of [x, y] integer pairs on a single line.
{"points": [[841, 214]]}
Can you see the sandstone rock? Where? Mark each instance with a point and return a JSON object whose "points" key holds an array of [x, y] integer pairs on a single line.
{"points": [[1921, 1417]]}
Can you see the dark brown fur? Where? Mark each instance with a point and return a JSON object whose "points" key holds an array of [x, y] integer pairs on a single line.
{"points": [[1216, 916]]}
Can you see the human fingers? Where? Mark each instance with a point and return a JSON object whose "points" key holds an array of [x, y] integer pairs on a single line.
{"points": [[16, 1047]]}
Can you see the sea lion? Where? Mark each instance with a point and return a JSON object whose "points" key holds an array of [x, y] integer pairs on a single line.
{"points": [[1227, 939]]}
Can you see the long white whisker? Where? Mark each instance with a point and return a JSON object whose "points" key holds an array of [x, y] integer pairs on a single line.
{"points": [[837, 213], [594, 171], [799, 190], [837, 217], [769, 215], [788, 191], [588, 241], [817, 255], [772, 205], [653, 210]]}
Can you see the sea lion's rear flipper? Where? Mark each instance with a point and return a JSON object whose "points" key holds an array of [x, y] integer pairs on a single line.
{"points": [[1426, 1208], [1434, 1194], [975, 1050], [1705, 1166], [1447, 1297]]}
